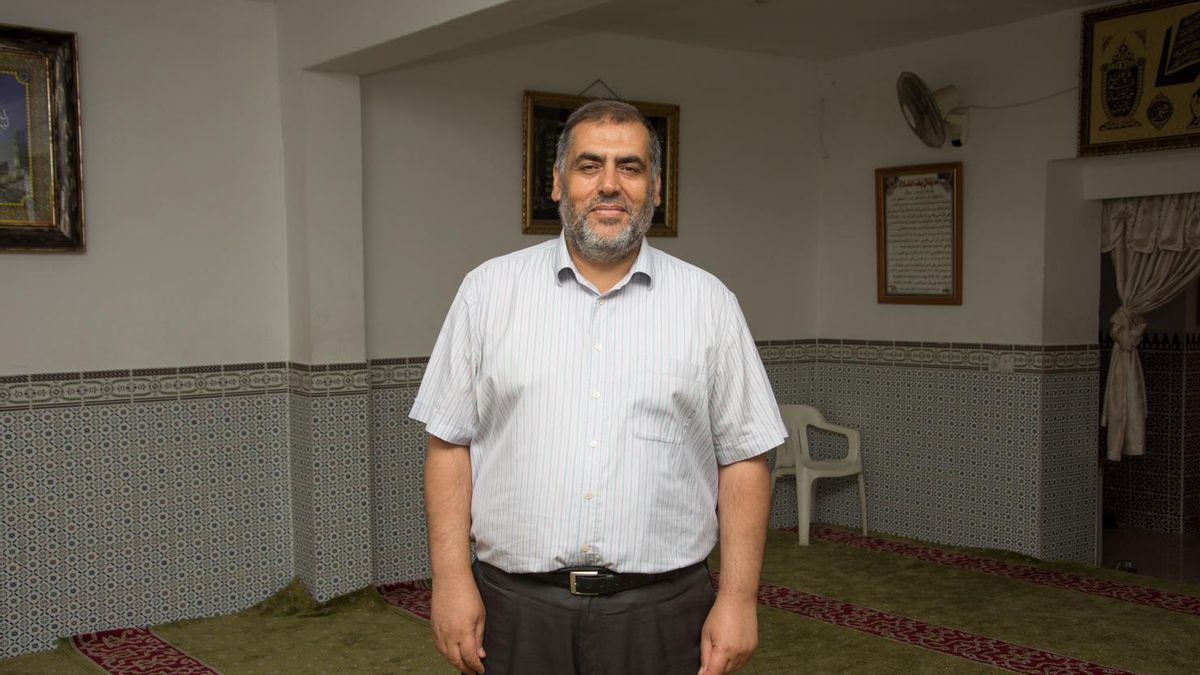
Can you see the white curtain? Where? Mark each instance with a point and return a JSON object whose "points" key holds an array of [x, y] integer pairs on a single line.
{"points": [[1154, 243]]}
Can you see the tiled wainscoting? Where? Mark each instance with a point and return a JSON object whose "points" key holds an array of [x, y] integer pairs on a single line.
{"points": [[1160, 490], [956, 449], [137, 497]]}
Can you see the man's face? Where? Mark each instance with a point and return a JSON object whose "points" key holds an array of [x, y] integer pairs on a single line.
{"points": [[606, 196]]}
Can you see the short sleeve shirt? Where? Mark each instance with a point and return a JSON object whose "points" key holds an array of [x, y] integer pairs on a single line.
{"points": [[596, 422]]}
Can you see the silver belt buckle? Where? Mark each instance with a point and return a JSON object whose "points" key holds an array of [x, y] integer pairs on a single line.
{"points": [[575, 574]]}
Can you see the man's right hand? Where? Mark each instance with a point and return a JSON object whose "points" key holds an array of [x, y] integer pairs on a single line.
{"points": [[457, 619]]}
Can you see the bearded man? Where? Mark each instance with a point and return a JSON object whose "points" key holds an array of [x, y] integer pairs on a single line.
{"points": [[597, 415]]}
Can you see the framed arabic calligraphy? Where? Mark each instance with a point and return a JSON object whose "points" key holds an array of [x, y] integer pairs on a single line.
{"points": [[1140, 77], [41, 174], [918, 238]]}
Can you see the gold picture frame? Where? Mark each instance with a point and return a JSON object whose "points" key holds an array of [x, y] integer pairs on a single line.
{"points": [[1140, 77], [544, 115], [41, 165], [918, 236]]}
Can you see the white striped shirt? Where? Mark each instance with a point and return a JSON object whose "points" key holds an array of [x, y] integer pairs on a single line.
{"points": [[596, 422]]}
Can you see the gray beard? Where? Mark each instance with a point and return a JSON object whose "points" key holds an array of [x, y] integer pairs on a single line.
{"points": [[598, 249]]}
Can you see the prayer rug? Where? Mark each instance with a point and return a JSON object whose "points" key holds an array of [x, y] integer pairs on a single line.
{"points": [[136, 651]]}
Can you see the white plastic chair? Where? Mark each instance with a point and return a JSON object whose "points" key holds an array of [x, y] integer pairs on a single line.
{"points": [[793, 459]]}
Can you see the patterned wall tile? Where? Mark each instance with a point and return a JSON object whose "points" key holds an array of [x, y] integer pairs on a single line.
{"points": [[216, 474], [1069, 469], [397, 456], [331, 437], [140, 512]]}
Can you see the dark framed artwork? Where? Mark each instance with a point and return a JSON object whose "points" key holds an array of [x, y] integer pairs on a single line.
{"points": [[544, 117], [41, 173], [918, 239], [1140, 77]]}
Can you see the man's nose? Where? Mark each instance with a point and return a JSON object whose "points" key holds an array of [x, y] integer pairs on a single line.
{"points": [[608, 181]]}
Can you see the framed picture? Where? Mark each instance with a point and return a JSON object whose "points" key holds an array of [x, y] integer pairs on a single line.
{"points": [[545, 114], [1140, 77], [918, 214], [41, 174]]}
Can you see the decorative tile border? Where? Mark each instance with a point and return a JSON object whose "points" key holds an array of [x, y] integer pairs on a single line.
{"points": [[101, 387], [397, 373], [329, 380], [954, 355], [60, 390]]}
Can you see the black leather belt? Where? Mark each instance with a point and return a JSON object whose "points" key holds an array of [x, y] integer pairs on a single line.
{"points": [[601, 580]]}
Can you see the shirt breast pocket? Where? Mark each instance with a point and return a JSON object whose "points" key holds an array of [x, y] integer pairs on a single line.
{"points": [[666, 401]]}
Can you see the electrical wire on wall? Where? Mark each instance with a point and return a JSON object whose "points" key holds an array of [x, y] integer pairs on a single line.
{"points": [[1022, 103]]}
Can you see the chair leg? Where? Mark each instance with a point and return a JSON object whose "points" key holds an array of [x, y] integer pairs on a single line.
{"points": [[862, 502], [804, 502]]}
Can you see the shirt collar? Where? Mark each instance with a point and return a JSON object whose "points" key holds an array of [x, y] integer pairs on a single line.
{"points": [[644, 266]]}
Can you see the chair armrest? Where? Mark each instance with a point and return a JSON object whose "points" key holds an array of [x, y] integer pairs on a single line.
{"points": [[835, 428], [853, 441]]}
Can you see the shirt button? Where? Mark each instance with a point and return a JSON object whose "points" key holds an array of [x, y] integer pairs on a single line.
{"points": [[585, 548], [595, 394], [602, 301], [592, 444], [599, 347], [588, 496]]}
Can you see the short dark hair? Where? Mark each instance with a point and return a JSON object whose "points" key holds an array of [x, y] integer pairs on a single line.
{"points": [[607, 110]]}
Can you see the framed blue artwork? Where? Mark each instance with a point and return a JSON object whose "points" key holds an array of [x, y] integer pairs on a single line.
{"points": [[41, 173]]}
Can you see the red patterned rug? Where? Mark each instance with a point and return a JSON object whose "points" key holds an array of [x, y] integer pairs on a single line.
{"points": [[1117, 590], [410, 596], [136, 651], [997, 653], [414, 597]]}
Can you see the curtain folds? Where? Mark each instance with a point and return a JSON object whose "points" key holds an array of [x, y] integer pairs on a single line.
{"points": [[1154, 245]]}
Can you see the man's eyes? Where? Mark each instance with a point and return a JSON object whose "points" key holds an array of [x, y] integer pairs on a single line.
{"points": [[627, 169]]}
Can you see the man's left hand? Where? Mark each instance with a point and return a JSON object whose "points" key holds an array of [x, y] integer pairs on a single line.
{"points": [[729, 636]]}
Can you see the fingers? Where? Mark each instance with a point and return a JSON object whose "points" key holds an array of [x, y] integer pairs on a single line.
{"points": [[471, 653], [705, 652], [466, 653], [479, 637], [464, 657], [472, 648], [715, 660]]}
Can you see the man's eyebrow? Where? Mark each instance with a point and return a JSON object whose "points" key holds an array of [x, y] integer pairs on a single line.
{"points": [[596, 157]]}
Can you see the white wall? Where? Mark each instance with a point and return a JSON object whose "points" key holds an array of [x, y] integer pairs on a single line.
{"points": [[1071, 287], [1004, 178], [442, 174], [183, 194]]}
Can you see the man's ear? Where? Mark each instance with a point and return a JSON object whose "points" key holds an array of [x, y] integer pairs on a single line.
{"points": [[556, 191], [657, 190]]}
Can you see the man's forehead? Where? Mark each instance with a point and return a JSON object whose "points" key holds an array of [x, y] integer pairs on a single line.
{"points": [[608, 132]]}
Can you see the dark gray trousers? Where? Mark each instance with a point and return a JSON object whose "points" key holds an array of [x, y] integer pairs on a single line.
{"points": [[535, 628]]}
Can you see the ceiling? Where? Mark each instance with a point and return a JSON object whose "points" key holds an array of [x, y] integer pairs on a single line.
{"points": [[809, 29]]}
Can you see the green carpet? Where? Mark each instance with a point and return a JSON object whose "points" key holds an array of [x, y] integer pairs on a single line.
{"points": [[1110, 632], [359, 633]]}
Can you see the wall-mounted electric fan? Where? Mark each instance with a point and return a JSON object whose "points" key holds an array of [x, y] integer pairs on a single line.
{"points": [[932, 116]]}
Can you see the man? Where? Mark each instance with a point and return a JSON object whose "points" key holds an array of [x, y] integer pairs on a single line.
{"points": [[597, 412]]}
